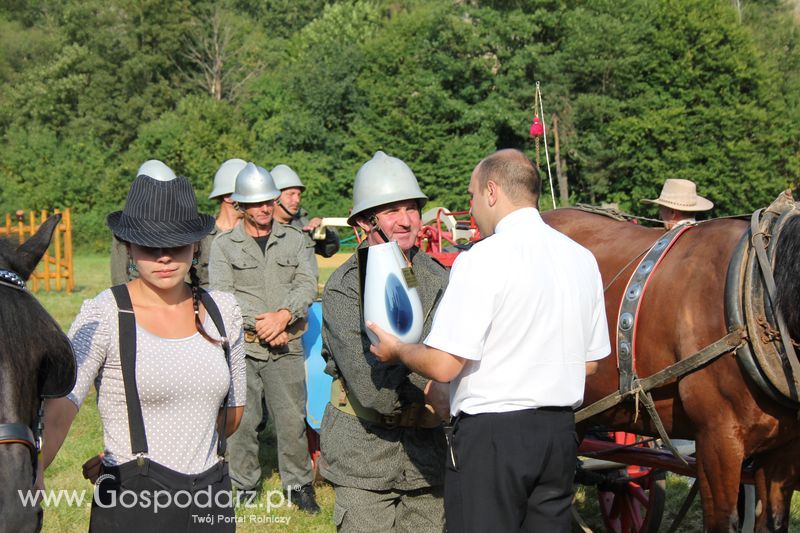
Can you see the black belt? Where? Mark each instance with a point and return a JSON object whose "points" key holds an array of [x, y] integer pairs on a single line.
{"points": [[546, 408], [166, 476], [554, 408]]}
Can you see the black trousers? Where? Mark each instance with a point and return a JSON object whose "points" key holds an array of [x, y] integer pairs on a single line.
{"points": [[513, 472], [151, 497]]}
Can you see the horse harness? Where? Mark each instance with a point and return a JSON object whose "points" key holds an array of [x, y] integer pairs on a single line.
{"points": [[630, 385], [631, 302], [748, 275], [769, 358]]}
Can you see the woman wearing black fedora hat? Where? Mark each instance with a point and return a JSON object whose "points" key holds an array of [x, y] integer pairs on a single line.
{"points": [[167, 360]]}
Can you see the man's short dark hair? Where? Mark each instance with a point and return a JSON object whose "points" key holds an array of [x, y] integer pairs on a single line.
{"points": [[514, 173]]}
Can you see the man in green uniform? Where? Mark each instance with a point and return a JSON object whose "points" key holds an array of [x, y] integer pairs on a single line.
{"points": [[264, 264], [382, 447], [227, 217], [288, 211]]}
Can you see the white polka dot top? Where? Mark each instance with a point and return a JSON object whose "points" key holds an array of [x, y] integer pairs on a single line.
{"points": [[181, 383]]}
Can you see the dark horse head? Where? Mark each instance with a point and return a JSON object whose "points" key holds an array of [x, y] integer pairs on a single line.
{"points": [[36, 361], [787, 275]]}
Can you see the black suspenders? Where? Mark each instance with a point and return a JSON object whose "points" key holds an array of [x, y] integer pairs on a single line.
{"points": [[127, 353], [216, 317]]}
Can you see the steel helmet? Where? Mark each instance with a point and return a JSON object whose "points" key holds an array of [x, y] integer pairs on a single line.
{"points": [[254, 184], [225, 178], [153, 168], [285, 177], [382, 180]]}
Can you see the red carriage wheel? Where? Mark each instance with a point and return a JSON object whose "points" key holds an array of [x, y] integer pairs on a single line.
{"points": [[634, 505], [633, 502]]}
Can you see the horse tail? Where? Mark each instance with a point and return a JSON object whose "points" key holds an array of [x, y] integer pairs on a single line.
{"points": [[787, 275]]}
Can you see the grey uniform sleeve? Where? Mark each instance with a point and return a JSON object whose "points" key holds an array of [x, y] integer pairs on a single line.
{"points": [[312, 258], [376, 385], [304, 286], [220, 277], [237, 390], [119, 262], [203, 260]]}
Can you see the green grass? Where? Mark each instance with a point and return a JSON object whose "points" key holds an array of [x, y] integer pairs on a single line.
{"points": [[92, 275], [85, 440]]}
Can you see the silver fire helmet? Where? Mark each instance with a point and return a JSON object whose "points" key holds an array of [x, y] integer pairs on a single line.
{"points": [[382, 180], [225, 178], [254, 184], [285, 177], [153, 168]]}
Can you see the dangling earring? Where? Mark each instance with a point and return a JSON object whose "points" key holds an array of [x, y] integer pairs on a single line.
{"points": [[132, 266], [194, 261]]}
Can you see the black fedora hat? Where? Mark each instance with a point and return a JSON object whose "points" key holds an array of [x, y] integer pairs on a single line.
{"points": [[160, 214]]}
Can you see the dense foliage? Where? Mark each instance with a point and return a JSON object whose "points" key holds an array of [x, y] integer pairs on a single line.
{"points": [[643, 90]]}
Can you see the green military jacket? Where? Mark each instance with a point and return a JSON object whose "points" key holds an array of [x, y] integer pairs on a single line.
{"points": [[120, 271], [361, 454], [281, 278], [300, 221], [204, 257]]}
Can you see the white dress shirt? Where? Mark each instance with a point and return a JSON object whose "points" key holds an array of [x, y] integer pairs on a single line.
{"points": [[525, 308]]}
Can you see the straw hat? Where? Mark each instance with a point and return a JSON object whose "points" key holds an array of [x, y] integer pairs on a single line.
{"points": [[681, 195]]}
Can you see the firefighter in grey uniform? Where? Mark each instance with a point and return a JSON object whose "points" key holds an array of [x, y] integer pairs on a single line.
{"points": [[288, 211], [264, 264], [382, 447], [228, 216]]}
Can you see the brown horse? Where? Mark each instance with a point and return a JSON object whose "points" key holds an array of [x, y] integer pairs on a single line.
{"points": [[682, 312]]}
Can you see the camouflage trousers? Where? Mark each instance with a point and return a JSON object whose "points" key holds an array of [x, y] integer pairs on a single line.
{"points": [[398, 511], [283, 384]]}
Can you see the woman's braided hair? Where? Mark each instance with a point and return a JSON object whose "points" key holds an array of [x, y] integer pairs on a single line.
{"points": [[196, 304]]}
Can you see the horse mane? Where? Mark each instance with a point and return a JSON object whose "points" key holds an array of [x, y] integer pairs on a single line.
{"points": [[787, 275]]}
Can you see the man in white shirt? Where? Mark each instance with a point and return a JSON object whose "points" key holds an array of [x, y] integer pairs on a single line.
{"points": [[520, 326]]}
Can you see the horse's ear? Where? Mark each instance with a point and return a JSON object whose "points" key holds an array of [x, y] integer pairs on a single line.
{"points": [[31, 251]]}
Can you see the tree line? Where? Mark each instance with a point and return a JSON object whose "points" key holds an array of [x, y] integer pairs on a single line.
{"points": [[641, 90]]}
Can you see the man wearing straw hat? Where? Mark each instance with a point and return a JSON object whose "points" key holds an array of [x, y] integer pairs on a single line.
{"points": [[678, 203]]}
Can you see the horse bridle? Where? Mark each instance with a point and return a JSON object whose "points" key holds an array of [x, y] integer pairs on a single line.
{"points": [[17, 432]]}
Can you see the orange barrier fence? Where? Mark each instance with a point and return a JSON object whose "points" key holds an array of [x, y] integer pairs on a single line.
{"points": [[55, 269]]}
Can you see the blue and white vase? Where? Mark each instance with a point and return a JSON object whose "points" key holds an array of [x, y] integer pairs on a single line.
{"points": [[388, 300]]}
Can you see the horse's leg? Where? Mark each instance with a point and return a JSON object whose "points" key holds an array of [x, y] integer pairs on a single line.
{"points": [[777, 476], [719, 459]]}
